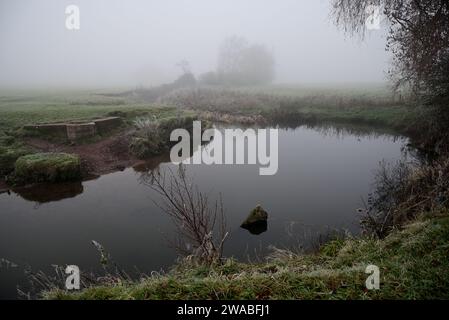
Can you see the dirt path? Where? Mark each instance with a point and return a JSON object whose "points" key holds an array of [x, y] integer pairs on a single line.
{"points": [[107, 155]]}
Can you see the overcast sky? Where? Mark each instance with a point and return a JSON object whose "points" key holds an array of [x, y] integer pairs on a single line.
{"points": [[139, 42]]}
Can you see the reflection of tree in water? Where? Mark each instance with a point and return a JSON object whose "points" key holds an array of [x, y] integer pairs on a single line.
{"points": [[343, 130], [199, 221], [408, 150], [194, 216], [151, 164], [362, 131]]}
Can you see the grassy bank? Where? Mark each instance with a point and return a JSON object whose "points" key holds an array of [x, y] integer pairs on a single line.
{"points": [[18, 109], [283, 105], [413, 264], [394, 117]]}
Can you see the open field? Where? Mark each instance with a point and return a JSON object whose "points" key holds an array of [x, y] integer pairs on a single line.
{"points": [[20, 108]]}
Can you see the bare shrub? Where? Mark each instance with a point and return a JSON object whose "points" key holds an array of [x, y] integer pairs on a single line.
{"points": [[388, 192], [153, 135], [146, 141], [403, 192], [198, 222], [147, 127]]}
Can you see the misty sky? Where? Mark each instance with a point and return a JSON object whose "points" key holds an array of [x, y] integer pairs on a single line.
{"points": [[139, 42]]}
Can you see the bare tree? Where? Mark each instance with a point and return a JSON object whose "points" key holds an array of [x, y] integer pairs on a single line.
{"points": [[242, 64], [418, 37], [198, 222], [184, 65], [230, 54]]}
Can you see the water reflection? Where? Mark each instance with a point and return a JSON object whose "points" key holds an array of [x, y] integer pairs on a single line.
{"points": [[151, 164], [319, 183], [48, 192], [44, 193], [257, 227]]}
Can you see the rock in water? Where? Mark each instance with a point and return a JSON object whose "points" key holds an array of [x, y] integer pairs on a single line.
{"points": [[256, 222]]}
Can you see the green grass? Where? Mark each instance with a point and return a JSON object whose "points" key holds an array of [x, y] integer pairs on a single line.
{"points": [[33, 107], [371, 105], [413, 262], [47, 167], [9, 153], [17, 109], [362, 104]]}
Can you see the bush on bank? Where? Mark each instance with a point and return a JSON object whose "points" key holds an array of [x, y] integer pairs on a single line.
{"points": [[153, 135], [47, 167], [8, 157]]}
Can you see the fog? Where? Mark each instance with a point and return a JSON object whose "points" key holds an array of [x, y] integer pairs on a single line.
{"points": [[139, 42]]}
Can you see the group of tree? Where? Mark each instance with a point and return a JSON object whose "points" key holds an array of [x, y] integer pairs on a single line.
{"points": [[241, 63]]}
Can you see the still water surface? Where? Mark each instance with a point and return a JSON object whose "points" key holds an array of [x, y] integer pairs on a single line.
{"points": [[323, 173]]}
